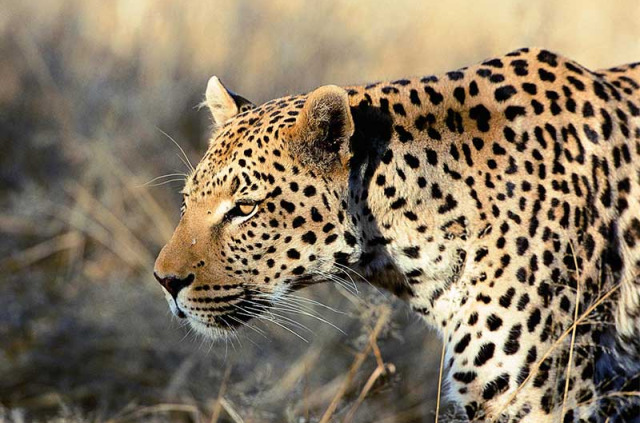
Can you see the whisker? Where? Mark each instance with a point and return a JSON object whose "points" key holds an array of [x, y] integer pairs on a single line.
{"points": [[279, 316], [320, 319], [189, 329], [245, 324], [294, 306], [275, 322], [168, 175], [361, 276], [188, 162], [355, 287], [257, 330], [313, 302], [339, 281], [165, 182], [229, 337], [345, 270]]}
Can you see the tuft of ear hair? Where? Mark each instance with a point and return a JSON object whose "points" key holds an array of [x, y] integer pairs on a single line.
{"points": [[223, 103], [320, 136]]}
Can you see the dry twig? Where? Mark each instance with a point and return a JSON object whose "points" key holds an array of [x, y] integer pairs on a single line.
{"points": [[357, 363]]}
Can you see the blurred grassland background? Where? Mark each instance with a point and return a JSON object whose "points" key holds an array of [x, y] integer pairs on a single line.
{"points": [[86, 89]]}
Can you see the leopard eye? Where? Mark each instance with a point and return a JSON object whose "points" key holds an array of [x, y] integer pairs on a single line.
{"points": [[246, 209], [242, 211]]}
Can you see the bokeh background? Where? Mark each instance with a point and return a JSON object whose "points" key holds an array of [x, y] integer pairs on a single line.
{"points": [[88, 89]]}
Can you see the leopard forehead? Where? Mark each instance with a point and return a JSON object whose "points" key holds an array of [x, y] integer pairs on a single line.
{"points": [[245, 146]]}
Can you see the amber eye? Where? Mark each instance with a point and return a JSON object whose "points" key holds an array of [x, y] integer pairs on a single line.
{"points": [[241, 210], [246, 209]]}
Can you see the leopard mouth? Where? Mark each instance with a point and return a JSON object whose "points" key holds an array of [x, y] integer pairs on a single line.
{"points": [[175, 308], [227, 317]]}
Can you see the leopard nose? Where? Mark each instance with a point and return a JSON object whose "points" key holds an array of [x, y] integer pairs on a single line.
{"points": [[174, 284]]}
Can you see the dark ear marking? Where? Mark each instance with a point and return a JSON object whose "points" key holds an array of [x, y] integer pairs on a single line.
{"points": [[241, 103], [223, 103], [322, 132]]}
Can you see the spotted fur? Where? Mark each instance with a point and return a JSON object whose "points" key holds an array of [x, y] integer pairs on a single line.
{"points": [[502, 201]]}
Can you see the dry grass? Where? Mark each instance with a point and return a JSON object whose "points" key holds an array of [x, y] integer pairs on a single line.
{"points": [[87, 89]]}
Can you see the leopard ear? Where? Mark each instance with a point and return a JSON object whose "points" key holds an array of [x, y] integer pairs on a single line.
{"points": [[223, 103], [321, 134]]}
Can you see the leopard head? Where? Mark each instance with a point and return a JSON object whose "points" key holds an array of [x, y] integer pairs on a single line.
{"points": [[264, 212]]}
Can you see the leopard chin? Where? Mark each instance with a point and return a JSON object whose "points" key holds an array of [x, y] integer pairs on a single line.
{"points": [[210, 331]]}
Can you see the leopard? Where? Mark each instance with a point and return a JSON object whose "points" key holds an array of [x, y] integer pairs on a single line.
{"points": [[500, 201]]}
